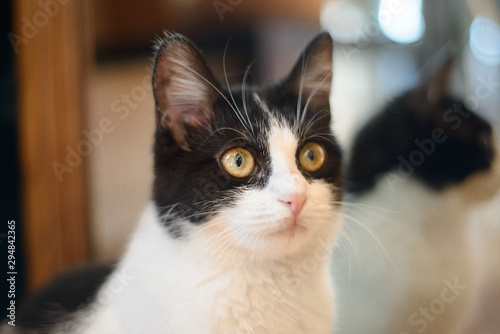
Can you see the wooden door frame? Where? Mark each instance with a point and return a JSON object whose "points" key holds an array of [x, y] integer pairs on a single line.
{"points": [[53, 50]]}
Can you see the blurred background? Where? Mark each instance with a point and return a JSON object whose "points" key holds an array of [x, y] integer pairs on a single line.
{"points": [[77, 111]]}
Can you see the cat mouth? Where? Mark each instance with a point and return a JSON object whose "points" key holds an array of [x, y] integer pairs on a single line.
{"points": [[289, 228]]}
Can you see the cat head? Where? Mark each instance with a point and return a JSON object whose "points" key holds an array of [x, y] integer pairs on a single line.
{"points": [[425, 133], [259, 167]]}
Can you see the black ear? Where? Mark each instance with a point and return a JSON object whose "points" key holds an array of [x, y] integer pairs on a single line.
{"points": [[311, 77], [425, 102], [184, 88], [437, 87]]}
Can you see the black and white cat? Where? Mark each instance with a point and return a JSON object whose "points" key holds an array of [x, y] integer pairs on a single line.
{"points": [[238, 235], [415, 171]]}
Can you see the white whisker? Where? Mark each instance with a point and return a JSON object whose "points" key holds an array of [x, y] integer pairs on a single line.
{"points": [[313, 92], [243, 95], [243, 135], [213, 86], [237, 111], [311, 122], [301, 86], [370, 232]]}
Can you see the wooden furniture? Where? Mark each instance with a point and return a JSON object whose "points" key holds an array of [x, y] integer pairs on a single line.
{"points": [[51, 65]]}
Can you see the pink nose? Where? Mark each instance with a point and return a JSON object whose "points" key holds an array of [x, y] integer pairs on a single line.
{"points": [[294, 202]]}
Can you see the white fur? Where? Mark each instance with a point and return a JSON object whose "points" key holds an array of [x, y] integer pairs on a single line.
{"points": [[245, 271], [407, 244], [484, 224]]}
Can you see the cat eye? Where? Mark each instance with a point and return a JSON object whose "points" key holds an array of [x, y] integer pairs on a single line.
{"points": [[238, 162], [312, 157]]}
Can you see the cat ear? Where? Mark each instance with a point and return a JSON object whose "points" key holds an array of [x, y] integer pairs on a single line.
{"points": [[438, 86], [184, 89], [311, 77]]}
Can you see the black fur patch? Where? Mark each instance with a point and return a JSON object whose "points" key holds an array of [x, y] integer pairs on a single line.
{"points": [[192, 184], [58, 301], [440, 143]]}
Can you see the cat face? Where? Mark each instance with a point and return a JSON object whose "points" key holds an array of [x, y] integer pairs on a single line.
{"points": [[256, 168], [466, 147], [425, 133]]}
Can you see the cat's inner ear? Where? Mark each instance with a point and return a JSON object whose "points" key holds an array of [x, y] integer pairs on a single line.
{"points": [[438, 86], [311, 77], [184, 89]]}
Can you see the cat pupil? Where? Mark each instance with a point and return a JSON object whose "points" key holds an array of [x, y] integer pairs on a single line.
{"points": [[239, 160], [310, 155]]}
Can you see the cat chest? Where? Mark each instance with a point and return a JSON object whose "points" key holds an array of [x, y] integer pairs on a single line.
{"points": [[270, 305], [225, 305]]}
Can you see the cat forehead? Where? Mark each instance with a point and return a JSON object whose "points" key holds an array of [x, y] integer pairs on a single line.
{"points": [[260, 106], [259, 118], [280, 134], [279, 109], [283, 144]]}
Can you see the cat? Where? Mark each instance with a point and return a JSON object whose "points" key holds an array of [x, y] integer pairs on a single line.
{"points": [[415, 171], [238, 235]]}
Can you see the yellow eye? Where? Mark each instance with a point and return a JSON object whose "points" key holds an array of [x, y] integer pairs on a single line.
{"points": [[312, 157], [238, 162]]}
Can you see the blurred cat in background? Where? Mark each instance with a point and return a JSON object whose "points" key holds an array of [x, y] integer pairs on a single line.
{"points": [[416, 170]]}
